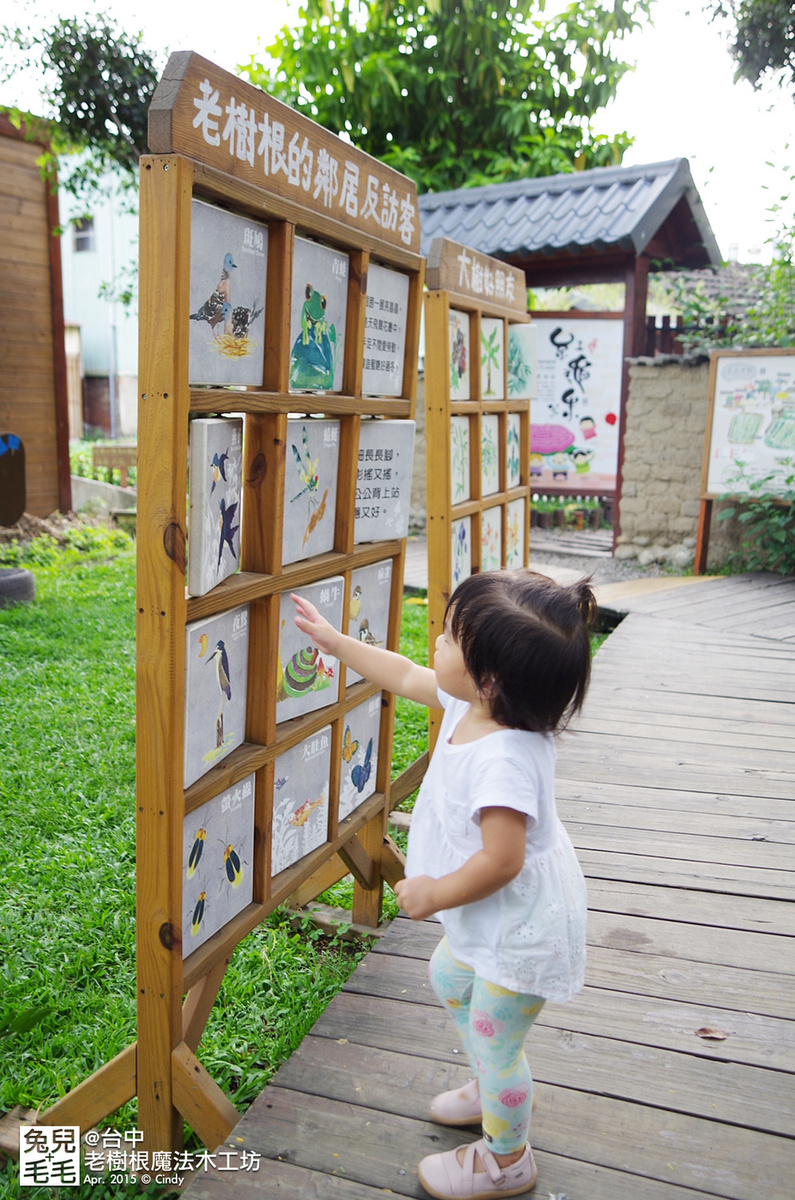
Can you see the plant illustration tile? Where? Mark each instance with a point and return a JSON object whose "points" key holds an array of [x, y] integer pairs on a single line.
{"points": [[383, 480], [306, 679], [489, 454], [522, 362], [216, 463], [460, 550], [318, 313], [460, 488], [514, 533], [359, 755], [216, 676], [459, 355], [491, 539], [228, 270], [217, 862], [300, 800], [513, 463], [386, 316], [310, 487], [492, 358], [368, 608]]}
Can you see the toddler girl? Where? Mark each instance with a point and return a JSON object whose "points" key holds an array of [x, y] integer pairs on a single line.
{"points": [[487, 852]]}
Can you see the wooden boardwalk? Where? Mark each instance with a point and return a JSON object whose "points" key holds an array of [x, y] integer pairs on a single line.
{"points": [[677, 789]]}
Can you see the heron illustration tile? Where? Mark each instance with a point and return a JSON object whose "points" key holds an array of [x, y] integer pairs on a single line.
{"points": [[228, 271], [306, 678], [300, 800], [359, 755], [383, 480], [459, 354], [386, 315], [318, 312], [216, 676], [310, 488], [492, 358], [368, 607], [217, 861], [216, 462]]}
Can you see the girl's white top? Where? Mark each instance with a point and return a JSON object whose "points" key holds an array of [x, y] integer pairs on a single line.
{"points": [[529, 936]]}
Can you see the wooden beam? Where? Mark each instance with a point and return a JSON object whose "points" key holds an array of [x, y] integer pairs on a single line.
{"points": [[99, 1095], [393, 862], [358, 862], [331, 872], [409, 780], [198, 1097], [199, 1003]]}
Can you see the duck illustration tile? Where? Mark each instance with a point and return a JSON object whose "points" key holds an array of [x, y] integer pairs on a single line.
{"points": [[306, 679], [300, 803]]}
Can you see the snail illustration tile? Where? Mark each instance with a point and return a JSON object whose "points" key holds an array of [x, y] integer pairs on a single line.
{"points": [[310, 488], [460, 488], [513, 462], [383, 480], [368, 608], [514, 533], [217, 863], [522, 362], [216, 677], [300, 800], [306, 679], [386, 316], [491, 539], [489, 454], [318, 312], [459, 355], [492, 358], [216, 461], [460, 550], [359, 755], [228, 269]]}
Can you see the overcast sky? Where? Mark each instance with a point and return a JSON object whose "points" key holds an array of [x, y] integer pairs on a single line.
{"points": [[680, 101]]}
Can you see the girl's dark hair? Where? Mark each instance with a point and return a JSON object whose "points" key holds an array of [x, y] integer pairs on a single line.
{"points": [[525, 641]]}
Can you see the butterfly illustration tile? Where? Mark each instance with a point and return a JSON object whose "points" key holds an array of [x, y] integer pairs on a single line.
{"points": [[300, 800], [359, 755]]}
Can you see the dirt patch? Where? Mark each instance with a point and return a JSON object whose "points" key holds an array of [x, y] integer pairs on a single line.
{"points": [[29, 527]]}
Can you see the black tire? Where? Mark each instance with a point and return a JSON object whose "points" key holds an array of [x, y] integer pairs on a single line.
{"points": [[17, 586]]}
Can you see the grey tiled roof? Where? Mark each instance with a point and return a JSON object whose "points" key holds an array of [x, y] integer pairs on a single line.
{"points": [[608, 208]]}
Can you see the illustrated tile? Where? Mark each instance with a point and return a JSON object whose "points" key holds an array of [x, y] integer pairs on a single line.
{"points": [[460, 489], [368, 609], [216, 463], [359, 755], [318, 314], [492, 358], [459, 355], [514, 533], [513, 465], [383, 480], [216, 678], [385, 322], [300, 800], [310, 488], [522, 362], [460, 550], [491, 539], [306, 679], [489, 454]]}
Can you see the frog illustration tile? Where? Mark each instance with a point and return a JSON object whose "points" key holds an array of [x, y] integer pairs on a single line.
{"points": [[359, 755], [228, 265], [300, 800], [318, 311], [383, 480], [310, 488], [306, 679], [216, 459], [216, 678]]}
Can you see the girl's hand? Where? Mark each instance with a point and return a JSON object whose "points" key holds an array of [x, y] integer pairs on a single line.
{"points": [[416, 896], [309, 621]]}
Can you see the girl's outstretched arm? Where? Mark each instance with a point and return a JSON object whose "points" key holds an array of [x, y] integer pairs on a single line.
{"points": [[392, 672]]}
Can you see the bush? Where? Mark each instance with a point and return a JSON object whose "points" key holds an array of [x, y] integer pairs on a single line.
{"points": [[769, 521]]}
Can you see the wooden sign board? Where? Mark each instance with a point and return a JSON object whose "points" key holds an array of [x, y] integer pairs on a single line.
{"points": [[215, 118], [455, 268]]}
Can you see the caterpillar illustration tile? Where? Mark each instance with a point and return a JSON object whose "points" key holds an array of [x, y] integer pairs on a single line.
{"points": [[386, 315], [318, 312], [359, 755], [368, 608], [306, 679], [310, 488], [383, 480], [216, 462], [216, 676], [300, 800]]}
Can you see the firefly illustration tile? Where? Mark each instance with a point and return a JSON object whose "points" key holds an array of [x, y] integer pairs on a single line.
{"points": [[300, 800], [217, 861], [514, 533], [460, 487], [310, 488], [491, 539], [228, 269], [522, 362], [318, 312], [306, 679], [459, 355], [492, 358], [216, 675], [513, 463], [359, 755], [460, 550], [489, 454], [383, 480], [368, 608], [385, 321], [216, 462]]}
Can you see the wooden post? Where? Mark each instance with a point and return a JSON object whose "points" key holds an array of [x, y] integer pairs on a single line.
{"points": [[636, 282]]}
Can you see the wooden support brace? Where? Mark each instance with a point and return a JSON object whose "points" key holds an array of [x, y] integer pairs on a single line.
{"points": [[99, 1095], [199, 1003], [325, 877], [393, 862], [409, 780], [199, 1099], [358, 862]]}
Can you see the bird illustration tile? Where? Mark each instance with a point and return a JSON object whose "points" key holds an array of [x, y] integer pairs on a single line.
{"points": [[216, 675], [318, 313], [310, 488], [228, 270], [217, 863], [385, 321], [306, 678], [216, 463], [368, 607], [383, 480], [300, 800], [359, 755]]}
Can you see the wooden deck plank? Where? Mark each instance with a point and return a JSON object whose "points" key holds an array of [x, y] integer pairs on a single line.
{"points": [[573, 785], [697, 825], [737, 881], [701, 908]]}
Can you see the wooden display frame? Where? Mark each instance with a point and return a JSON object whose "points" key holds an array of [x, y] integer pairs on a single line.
{"points": [[439, 409], [176, 995]]}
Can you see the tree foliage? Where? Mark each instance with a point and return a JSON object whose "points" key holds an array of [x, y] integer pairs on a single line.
{"points": [[458, 92], [763, 40]]}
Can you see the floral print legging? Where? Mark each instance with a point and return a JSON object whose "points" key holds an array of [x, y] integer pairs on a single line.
{"points": [[493, 1024]]}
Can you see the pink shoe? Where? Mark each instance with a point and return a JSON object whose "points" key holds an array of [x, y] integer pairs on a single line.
{"points": [[444, 1177], [461, 1106]]}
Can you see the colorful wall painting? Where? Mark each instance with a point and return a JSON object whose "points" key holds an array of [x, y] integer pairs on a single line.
{"points": [[752, 431], [459, 355], [383, 480], [216, 462], [460, 486], [216, 676], [310, 488], [491, 539], [492, 358], [574, 420], [385, 320], [368, 608], [359, 755], [318, 313], [514, 533], [513, 462], [460, 550], [522, 361], [228, 270], [300, 800], [489, 454], [217, 861], [306, 679]]}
